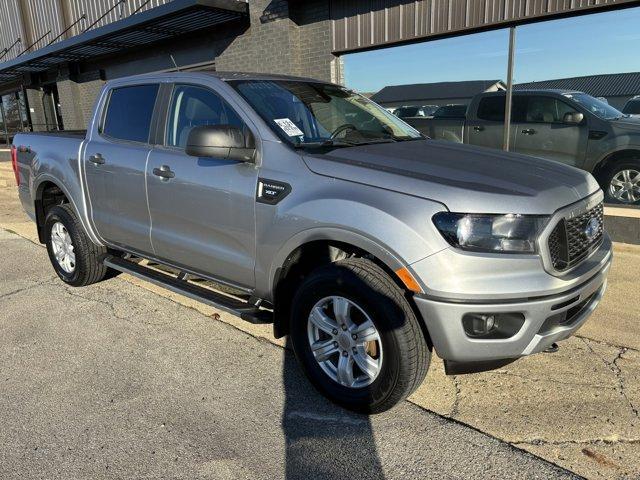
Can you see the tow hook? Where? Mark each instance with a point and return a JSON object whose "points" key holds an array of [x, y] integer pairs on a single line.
{"points": [[553, 348]]}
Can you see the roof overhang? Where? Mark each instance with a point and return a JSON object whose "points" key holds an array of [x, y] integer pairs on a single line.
{"points": [[173, 19]]}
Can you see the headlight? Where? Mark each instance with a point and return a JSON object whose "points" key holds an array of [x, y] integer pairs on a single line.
{"points": [[490, 233]]}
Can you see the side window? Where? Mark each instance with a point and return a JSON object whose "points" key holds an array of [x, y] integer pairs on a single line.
{"points": [[193, 106], [129, 113], [547, 110], [564, 108], [492, 108]]}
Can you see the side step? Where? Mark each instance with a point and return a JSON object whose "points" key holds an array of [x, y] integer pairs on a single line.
{"points": [[229, 304]]}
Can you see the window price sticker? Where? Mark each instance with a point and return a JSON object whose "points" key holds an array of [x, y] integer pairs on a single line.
{"points": [[289, 127]]}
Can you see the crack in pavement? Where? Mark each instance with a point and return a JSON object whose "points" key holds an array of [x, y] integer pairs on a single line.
{"points": [[69, 291], [547, 380], [456, 398], [621, 382], [591, 441], [602, 342], [617, 372], [24, 289]]}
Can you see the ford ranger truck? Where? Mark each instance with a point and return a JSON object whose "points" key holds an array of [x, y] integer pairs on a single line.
{"points": [[566, 126], [305, 205]]}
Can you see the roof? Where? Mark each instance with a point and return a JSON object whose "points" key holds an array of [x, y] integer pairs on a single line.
{"points": [[609, 85], [559, 91], [432, 91], [173, 19], [224, 76]]}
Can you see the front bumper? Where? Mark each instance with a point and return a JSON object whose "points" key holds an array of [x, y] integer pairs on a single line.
{"points": [[547, 319]]}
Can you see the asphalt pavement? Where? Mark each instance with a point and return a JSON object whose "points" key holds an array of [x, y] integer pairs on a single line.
{"points": [[115, 381]]}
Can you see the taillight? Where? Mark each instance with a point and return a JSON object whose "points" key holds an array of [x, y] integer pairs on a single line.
{"points": [[14, 163]]}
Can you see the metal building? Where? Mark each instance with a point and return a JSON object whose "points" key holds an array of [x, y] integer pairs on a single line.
{"points": [[56, 54], [616, 88]]}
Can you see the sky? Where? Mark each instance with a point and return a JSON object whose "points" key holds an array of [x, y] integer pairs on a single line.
{"points": [[606, 42]]}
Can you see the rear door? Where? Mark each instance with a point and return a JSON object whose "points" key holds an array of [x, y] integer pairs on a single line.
{"points": [[543, 132], [487, 128], [115, 161], [203, 217]]}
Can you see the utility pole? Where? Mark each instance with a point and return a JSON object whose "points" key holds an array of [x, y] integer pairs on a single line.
{"points": [[509, 93]]}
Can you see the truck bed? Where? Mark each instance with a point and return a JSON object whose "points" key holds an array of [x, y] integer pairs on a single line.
{"points": [[75, 134], [451, 129]]}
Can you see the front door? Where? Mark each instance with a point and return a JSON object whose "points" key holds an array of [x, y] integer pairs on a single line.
{"points": [[115, 162], [203, 214], [543, 133]]}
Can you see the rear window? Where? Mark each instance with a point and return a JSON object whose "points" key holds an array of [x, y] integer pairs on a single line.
{"points": [[492, 108], [129, 113], [451, 111]]}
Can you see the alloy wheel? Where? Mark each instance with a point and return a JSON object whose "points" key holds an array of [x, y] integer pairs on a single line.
{"points": [[62, 247], [345, 342], [625, 186]]}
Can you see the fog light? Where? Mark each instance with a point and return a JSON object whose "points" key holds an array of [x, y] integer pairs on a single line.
{"points": [[492, 325], [481, 325]]}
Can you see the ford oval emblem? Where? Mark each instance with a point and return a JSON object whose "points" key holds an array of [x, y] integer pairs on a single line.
{"points": [[591, 229]]}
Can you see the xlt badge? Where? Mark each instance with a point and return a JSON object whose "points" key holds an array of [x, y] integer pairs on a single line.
{"points": [[272, 191]]}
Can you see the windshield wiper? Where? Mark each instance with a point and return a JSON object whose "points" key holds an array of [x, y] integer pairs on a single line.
{"points": [[327, 143]]}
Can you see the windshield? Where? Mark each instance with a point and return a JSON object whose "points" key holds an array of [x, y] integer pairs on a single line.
{"points": [[595, 106], [308, 114]]}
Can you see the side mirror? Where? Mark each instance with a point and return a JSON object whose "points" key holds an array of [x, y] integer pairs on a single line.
{"points": [[573, 118], [221, 141]]}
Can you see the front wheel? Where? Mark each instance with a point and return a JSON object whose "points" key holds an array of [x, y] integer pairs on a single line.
{"points": [[621, 183], [356, 336]]}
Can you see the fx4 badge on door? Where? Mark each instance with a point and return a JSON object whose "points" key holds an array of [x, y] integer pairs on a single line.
{"points": [[272, 191]]}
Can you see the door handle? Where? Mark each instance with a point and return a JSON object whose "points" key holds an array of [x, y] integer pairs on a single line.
{"points": [[97, 159], [478, 128], [164, 172], [529, 131]]}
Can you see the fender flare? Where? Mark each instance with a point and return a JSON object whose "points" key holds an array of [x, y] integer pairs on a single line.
{"points": [[382, 252], [37, 191]]}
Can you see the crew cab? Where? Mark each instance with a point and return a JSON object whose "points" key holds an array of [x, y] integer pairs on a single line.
{"points": [[300, 203], [566, 126]]}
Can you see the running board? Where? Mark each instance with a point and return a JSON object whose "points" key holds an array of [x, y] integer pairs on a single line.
{"points": [[244, 310]]}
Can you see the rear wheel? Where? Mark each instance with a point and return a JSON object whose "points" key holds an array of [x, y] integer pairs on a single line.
{"points": [[75, 258], [621, 182], [356, 336]]}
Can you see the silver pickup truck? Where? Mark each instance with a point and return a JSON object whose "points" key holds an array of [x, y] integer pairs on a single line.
{"points": [[305, 205], [566, 126]]}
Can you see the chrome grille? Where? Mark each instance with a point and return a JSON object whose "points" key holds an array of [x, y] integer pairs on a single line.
{"points": [[570, 243]]}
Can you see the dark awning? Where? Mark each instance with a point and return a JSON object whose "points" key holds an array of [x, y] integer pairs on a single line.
{"points": [[167, 21]]}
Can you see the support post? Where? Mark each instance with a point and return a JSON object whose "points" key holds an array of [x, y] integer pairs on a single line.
{"points": [[509, 93]]}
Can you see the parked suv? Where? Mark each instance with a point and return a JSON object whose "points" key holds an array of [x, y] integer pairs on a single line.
{"points": [[308, 206], [566, 126], [632, 107]]}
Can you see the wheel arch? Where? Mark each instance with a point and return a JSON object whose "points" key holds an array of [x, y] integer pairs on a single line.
{"points": [[320, 249], [47, 194], [605, 163]]}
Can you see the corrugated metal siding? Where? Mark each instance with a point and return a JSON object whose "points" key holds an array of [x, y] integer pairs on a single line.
{"points": [[610, 85], [10, 28], [45, 16], [370, 23], [94, 9]]}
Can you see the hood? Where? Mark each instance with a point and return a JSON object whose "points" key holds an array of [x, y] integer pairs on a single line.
{"points": [[463, 177], [628, 123]]}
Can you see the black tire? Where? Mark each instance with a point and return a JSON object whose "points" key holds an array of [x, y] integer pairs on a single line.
{"points": [[89, 267], [406, 351], [610, 173]]}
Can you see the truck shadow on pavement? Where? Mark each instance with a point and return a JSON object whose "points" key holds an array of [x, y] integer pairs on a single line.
{"points": [[323, 440]]}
